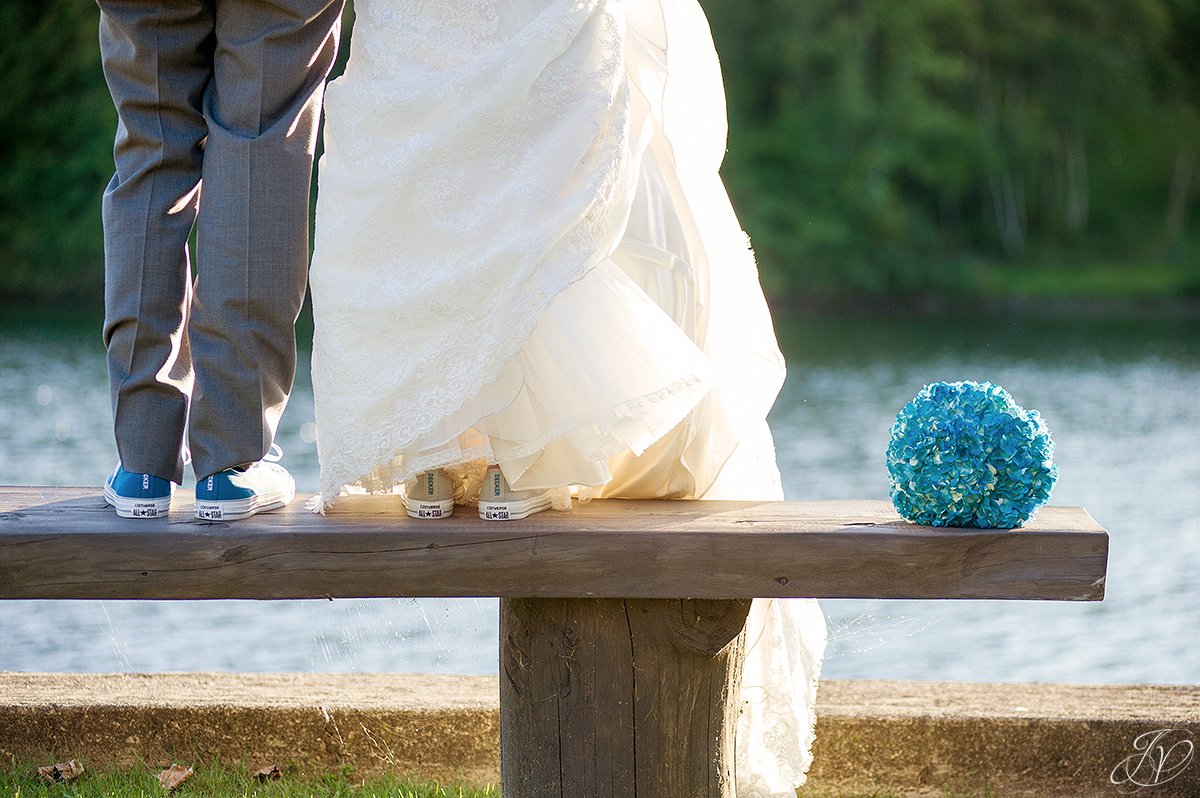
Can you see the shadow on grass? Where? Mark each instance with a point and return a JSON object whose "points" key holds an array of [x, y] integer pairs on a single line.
{"points": [[216, 780]]}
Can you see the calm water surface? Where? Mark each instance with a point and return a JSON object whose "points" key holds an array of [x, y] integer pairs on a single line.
{"points": [[1120, 397]]}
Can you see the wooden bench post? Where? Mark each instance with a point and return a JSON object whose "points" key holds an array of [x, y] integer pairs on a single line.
{"points": [[619, 696]]}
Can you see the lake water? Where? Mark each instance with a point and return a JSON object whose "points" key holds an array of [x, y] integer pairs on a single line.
{"points": [[1121, 397]]}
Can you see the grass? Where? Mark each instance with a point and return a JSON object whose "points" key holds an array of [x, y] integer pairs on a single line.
{"points": [[219, 781]]}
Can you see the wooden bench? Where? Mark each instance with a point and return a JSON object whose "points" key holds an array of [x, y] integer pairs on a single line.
{"points": [[621, 623]]}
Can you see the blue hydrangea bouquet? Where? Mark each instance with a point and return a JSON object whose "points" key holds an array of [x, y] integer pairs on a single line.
{"points": [[965, 454]]}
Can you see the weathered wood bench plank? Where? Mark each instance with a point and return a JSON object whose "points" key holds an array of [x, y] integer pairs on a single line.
{"points": [[65, 543], [622, 623]]}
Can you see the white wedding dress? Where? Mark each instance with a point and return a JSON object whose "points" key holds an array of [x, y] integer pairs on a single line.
{"points": [[525, 255]]}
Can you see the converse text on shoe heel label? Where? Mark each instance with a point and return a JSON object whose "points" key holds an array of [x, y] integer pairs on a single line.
{"points": [[209, 513], [429, 510], [143, 510]]}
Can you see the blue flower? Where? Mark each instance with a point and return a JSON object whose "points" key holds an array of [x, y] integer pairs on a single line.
{"points": [[965, 454]]}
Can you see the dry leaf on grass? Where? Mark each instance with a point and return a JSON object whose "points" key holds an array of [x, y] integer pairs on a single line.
{"points": [[173, 776], [269, 773], [63, 771]]}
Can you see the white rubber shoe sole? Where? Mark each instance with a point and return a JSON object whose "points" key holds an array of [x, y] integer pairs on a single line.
{"points": [[513, 510], [137, 508], [237, 509], [428, 509]]}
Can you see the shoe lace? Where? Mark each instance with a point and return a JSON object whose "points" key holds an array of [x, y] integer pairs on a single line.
{"points": [[274, 454]]}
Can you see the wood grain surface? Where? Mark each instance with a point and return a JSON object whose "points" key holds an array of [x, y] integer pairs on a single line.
{"points": [[61, 542], [607, 697]]}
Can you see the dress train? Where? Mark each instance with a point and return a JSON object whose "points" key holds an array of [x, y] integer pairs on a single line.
{"points": [[525, 255]]}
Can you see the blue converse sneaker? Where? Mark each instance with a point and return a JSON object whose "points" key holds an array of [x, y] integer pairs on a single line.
{"points": [[231, 494], [138, 495]]}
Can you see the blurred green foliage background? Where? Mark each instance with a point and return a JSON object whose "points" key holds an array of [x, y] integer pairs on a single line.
{"points": [[927, 147]]}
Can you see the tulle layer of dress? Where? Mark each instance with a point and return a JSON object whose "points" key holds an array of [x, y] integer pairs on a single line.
{"points": [[582, 388], [525, 255]]}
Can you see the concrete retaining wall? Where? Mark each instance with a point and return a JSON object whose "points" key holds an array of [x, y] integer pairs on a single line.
{"points": [[907, 738]]}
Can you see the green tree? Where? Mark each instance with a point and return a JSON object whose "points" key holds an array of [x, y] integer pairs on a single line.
{"points": [[875, 146], [879, 146], [1179, 79], [56, 132]]}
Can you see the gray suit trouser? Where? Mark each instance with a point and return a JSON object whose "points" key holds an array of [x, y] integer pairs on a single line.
{"points": [[218, 103]]}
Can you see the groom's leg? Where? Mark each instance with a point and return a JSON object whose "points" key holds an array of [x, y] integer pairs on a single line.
{"points": [[157, 61], [262, 109]]}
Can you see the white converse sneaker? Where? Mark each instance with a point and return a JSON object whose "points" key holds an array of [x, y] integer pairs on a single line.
{"points": [[497, 502], [431, 494]]}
